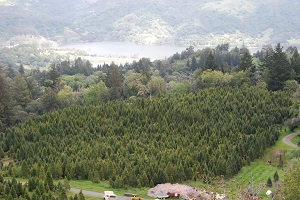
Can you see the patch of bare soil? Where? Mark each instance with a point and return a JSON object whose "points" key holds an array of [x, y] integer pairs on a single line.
{"points": [[185, 191], [6, 162]]}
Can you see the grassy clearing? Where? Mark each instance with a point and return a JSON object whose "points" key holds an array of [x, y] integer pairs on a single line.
{"points": [[296, 140]]}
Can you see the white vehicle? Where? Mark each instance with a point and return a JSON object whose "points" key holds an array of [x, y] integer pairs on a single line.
{"points": [[109, 195]]}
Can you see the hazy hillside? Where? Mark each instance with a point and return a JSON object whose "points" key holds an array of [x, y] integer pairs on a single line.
{"points": [[158, 21]]}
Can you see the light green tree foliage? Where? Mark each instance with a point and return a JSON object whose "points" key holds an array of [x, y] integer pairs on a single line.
{"points": [[65, 96], [291, 184], [294, 157], [215, 78], [96, 94], [291, 86], [133, 84], [242, 78], [197, 82], [181, 88], [157, 85]]}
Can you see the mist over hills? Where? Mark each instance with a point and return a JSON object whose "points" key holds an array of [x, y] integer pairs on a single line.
{"points": [[193, 22]]}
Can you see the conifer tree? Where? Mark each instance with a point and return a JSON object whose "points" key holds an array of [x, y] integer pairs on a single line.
{"points": [[246, 62], [5, 106], [295, 64], [279, 69], [49, 180], [114, 81], [276, 176], [210, 62]]}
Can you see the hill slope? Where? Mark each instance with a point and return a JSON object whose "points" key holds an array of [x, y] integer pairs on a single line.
{"points": [[142, 142], [193, 22]]}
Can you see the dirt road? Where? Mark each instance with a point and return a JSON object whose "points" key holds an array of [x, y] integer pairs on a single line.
{"points": [[287, 139], [95, 194]]}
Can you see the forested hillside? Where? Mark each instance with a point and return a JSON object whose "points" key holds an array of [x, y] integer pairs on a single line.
{"points": [[144, 142], [196, 22]]}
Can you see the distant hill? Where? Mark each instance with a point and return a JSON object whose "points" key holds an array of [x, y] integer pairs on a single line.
{"points": [[193, 22]]}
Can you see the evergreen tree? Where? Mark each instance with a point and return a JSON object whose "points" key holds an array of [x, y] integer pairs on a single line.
{"points": [[114, 81], [21, 69], [81, 196], [269, 182], [5, 106], [276, 176], [295, 64], [25, 171], [210, 62], [246, 62], [63, 195], [55, 78], [49, 180], [279, 69], [194, 64]]}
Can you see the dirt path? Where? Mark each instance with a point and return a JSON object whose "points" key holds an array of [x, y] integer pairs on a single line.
{"points": [[95, 194], [287, 139]]}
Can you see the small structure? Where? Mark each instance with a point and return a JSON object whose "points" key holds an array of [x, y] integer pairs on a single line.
{"points": [[109, 195]]}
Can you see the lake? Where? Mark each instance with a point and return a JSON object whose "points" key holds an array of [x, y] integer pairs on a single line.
{"points": [[126, 50]]}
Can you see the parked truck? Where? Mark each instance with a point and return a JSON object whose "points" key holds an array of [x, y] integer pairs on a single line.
{"points": [[109, 195]]}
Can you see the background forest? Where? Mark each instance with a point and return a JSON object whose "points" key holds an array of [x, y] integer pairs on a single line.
{"points": [[210, 111]]}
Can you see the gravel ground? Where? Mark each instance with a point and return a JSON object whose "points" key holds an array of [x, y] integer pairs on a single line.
{"points": [[287, 139], [95, 194], [185, 191]]}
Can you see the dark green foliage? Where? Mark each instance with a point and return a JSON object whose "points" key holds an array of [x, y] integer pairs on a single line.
{"points": [[246, 62], [49, 181], [5, 104], [194, 64], [269, 182], [210, 62], [114, 81], [276, 176], [295, 64], [142, 142], [279, 69]]}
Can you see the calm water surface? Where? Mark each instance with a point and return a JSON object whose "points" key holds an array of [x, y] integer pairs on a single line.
{"points": [[122, 49]]}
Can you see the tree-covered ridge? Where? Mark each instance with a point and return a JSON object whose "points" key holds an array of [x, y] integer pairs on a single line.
{"points": [[144, 142]]}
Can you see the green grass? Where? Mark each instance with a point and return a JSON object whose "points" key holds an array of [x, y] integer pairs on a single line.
{"points": [[296, 140]]}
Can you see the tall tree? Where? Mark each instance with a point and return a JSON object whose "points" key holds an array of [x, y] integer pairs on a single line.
{"points": [[21, 69], [49, 180], [210, 62], [21, 92], [246, 62], [54, 77], [5, 106], [194, 63], [114, 81], [279, 69], [295, 64], [143, 66]]}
